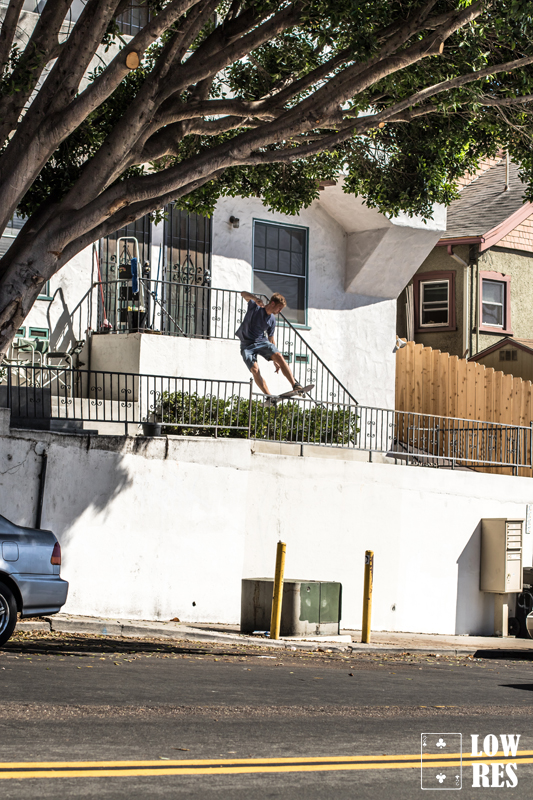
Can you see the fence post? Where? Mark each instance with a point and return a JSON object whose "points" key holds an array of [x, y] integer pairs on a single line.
{"points": [[250, 410], [9, 388], [277, 596]]}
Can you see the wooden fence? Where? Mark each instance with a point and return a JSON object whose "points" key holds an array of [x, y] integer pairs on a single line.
{"points": [[431, 382]]}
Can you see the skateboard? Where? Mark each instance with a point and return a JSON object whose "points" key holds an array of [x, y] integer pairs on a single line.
{"points": [[272, 399]]}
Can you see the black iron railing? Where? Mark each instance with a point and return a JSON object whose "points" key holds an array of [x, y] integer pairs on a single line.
{"points": [[178, 309], [54, 396]]}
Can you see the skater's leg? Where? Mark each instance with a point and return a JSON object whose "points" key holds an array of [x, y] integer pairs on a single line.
{"points": [[281, 364], [258, 378]]}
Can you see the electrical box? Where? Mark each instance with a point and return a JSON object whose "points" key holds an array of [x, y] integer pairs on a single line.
{"points": [[501, 555], [307, 608]]}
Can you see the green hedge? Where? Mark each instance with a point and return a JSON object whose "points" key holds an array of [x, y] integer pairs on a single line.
{"points": [[289, 421]]}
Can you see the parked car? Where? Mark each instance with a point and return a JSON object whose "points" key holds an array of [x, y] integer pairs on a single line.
{"points": [[30, 562]]}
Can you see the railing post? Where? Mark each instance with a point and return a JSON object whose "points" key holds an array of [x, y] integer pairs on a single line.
{"points": [[9, 387], [250, 409]]}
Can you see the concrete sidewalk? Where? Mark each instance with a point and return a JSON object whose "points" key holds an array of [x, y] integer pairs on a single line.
{"points": [[350, 641]]}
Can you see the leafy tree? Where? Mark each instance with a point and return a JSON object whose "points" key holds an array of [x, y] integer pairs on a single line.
{"points": [[246, 97]]}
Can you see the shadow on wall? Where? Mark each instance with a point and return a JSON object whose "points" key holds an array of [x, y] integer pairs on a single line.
{"points": [[78, 479], [70, 326], [474, 612]]}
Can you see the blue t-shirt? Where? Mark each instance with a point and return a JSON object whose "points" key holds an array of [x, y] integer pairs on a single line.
{"points": [[257, 325]]}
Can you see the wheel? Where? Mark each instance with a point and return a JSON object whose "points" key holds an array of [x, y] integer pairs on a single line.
{"points": [[513, 626], [8, 613]]}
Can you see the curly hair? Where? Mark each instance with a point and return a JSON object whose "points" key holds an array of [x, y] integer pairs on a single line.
{"points": [[278, 299]]}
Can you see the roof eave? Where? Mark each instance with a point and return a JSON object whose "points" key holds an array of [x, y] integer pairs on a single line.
{"points": [[457, 240], [495, 235]]}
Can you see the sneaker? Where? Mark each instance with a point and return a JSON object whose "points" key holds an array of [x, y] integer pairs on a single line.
{"points": [[299, 388]]}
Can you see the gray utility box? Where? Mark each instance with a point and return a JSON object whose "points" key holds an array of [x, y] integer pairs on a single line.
{"points": [[308, 607], [501, 555]]}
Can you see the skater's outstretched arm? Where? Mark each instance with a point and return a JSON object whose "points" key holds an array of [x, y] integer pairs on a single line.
{"points": [[257, 300]]}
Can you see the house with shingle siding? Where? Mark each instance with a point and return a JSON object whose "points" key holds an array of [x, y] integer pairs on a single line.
{"points": [[475, 288]]}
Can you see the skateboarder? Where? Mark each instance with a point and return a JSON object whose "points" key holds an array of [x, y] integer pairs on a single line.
{"points": [[257, 338]]}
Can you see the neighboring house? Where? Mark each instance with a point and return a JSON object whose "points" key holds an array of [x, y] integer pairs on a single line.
{"points": [[475, 288], [510, 355]]}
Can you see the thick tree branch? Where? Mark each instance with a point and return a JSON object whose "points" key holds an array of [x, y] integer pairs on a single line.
{"points": [[29, 69], [7, 32]]}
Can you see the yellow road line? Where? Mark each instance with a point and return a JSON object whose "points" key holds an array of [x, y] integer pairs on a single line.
{"points": [[119, 769]]}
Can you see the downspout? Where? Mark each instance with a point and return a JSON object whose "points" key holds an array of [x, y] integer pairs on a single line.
{"points": [[41, 451], [464, 264], [477, 301]]}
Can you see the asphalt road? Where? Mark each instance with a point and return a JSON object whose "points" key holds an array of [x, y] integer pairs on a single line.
{"points": [[91, 717]]}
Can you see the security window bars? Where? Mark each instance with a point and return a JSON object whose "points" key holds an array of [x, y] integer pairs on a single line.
{"points": [[134, 18], [280, 265], [118, 300], [188, 246], [187, 240], [434, 303], [493, 304], [14, 225]]}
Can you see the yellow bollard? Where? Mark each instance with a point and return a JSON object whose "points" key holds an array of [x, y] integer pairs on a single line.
{"points": [[367, 596], [275, 619]]}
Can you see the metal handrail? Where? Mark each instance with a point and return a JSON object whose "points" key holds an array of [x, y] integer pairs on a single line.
{"points": [[230, 408]]}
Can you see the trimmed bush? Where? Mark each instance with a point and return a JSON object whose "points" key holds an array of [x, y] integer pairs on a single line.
{"points": [[191, 414]]}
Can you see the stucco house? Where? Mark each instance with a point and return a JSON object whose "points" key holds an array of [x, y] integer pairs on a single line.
{"points": [[332, 262], [474, 288]]}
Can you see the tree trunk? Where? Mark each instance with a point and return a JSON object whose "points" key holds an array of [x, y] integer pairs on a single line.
{"points": [[21, 281]]}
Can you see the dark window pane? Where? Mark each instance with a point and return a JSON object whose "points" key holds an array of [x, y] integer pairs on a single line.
{"points": [[297, 264], [272, 236], [284, 239], [284, 261], [435, 317], [434, 292], [272, 259], [260, 235], [259, 258], [292, 289], [298, 240]]}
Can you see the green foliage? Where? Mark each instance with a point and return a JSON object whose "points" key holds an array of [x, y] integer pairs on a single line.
{"points": [[191, 414], [405, 166]]}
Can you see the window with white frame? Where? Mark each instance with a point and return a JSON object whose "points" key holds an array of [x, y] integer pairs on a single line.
{"points": [[493, 303], [434, 303], [280, 265]]}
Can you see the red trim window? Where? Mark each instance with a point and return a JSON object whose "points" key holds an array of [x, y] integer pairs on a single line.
{"points": [[495, 303], [434, 295]]}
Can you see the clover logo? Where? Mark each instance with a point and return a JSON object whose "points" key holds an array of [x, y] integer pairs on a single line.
{"points": [[441, 743], [440, 777]]}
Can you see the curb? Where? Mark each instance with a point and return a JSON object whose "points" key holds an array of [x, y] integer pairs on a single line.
{"points": [[136, 630]]}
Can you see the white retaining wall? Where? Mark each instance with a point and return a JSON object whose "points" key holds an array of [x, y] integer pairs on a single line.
{"points": [[155, 529]]}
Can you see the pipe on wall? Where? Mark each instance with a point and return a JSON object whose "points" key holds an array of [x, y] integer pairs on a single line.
{"points": [[466, 343]]}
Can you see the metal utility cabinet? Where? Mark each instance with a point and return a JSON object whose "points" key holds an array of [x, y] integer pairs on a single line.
{"points": [[501, 565], [501, 555], [308, 607]]}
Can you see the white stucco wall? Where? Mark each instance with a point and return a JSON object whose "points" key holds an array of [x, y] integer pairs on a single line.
{"points": [[66, 315], [156, 529]]}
